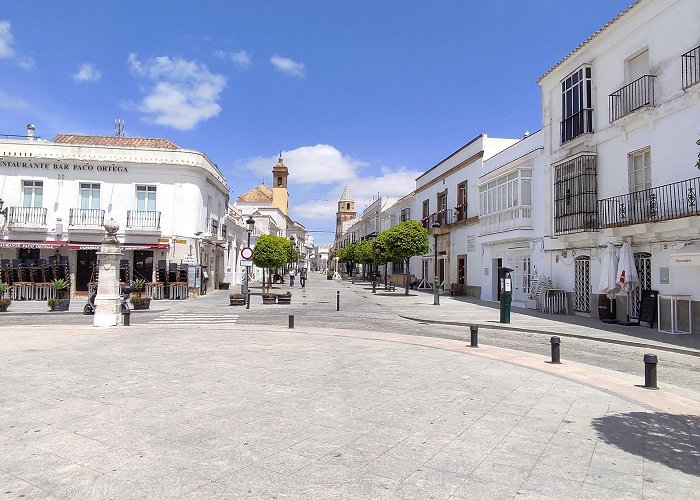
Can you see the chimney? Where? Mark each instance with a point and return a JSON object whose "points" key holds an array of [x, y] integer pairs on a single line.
{"points": [[30, 132]]}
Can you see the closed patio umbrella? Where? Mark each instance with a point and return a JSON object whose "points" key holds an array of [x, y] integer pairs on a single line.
{"points": [[627, 275], [608, 273]]}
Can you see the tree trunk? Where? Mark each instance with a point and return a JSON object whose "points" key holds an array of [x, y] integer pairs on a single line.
{"points": [[408, 271], [263, 280], [386, 270]]}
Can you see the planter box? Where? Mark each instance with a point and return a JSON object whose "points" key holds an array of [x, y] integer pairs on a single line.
{"points": [[4, 304], [224, 286], [269, 300], [59, 305], [283, 299], [141, 305], [237, 301]]}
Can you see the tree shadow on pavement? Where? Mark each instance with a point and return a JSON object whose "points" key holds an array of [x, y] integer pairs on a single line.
{"points": [[672, 440]]}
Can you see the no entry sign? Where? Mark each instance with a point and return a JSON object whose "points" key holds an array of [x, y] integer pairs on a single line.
{"points": [[247, 253]]}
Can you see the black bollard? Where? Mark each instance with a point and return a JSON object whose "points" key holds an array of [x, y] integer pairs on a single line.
{"points": [[247, 300], [474, 329], [555, 341], [337, 300], [374, 287], [291, 321], [650, 362], [126, 317]]}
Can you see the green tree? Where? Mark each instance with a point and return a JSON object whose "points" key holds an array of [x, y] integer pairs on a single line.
{"points": [[405, 240], [270, 252], [364, 254], [381, 253]]}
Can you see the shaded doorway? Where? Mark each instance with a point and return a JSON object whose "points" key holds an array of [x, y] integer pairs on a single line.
{"points": [[143, 265], [87, 259]]}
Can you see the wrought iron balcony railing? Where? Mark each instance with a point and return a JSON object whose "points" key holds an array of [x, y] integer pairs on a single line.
{"points": [[671, 201], [223, 231], [86, 217], [443, 217], [631, 97], [138, 219], [690, 67], [213, 227], [26, 217], [461, 212], [575, 125]]}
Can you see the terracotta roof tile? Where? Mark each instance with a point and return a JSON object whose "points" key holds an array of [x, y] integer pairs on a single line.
{"points": [[259, 194], [122, 142]]}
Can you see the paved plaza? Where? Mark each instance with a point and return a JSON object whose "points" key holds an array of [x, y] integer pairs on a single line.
{"points": [[196, 409]]}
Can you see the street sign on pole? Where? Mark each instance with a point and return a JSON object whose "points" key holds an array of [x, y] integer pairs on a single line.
{"points": [[247, 253], [247, 263]]}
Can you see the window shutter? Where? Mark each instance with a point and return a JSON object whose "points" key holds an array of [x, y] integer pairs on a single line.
{"points": [[639, 66]]}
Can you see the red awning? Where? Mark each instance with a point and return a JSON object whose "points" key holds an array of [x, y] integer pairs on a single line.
{"points": [[125, 246], [31, 244]]}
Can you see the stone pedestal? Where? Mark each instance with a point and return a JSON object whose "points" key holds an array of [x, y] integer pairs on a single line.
{"points": [[108, 299]]}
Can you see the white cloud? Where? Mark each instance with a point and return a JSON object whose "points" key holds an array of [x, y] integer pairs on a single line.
{"points": [[87, 73], [8, 102], [6, 40], [314, 210], [288, 66], [241, 58], [26, 63], [319, 164], [179, 93]]}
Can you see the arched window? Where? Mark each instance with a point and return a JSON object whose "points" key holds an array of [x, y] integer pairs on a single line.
{"points": [[279, 182]]}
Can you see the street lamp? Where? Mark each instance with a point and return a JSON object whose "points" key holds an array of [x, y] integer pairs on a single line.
{"points": [[250, 223], [373, 237], [436, 294], [291, 251]]}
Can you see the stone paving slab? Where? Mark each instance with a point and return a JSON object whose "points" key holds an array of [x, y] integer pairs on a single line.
{"points": [[230, 412]]}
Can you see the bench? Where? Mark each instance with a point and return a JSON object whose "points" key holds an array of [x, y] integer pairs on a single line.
{"points": [[456, 289]]}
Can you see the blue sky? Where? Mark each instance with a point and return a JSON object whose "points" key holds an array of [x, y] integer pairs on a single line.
{"points": [[365, 92]]}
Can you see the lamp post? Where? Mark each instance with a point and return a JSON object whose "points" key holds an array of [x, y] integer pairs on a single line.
{"points": [[373, 237], [436, 293], [250, 225], [291, 251]]}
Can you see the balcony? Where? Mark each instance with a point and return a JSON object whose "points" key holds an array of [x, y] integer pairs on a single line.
{"points": [[461, 212], [671, 201], [443, 217], [86, 218], [143, 220], [506, 220], [575, 125], [690, 67], [636, 95], [26, 217], [576, 195], [213, 227], [224, 231]]}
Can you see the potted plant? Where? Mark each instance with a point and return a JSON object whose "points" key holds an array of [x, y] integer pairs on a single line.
{"points": [[224, 285], [237, 299], [284, 298], [4, 301], [137, 300], [269, 298], [329, 275], [61, 302]]}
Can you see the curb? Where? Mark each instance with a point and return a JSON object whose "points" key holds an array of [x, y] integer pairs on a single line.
{"points": [[629, 343]]}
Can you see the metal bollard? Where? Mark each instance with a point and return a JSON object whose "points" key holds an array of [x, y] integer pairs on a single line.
{"points": [[555, 341], [126, 317], [291, 321], [374, 287], [337, 300], [247, 300], [650, 362], [474, 329]]}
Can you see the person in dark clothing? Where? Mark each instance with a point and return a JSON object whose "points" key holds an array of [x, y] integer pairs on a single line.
{"points": [[302, 277]]}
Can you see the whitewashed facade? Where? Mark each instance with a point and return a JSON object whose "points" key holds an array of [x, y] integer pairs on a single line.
{"points": [[170, 203], [621, 117]]}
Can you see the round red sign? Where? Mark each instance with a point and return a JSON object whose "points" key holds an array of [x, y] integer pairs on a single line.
{"points": [[247, 253]]}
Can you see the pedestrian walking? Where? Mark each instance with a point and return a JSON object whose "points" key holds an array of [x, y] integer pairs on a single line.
{"points": [[291, 277], [302, 277]]}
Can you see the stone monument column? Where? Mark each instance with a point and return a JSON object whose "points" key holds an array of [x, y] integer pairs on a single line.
{"points": [[108, 299]]}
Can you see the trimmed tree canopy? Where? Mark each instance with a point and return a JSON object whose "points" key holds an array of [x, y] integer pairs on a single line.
{"points": [[271, 251], [364, 252], [407, 239]]}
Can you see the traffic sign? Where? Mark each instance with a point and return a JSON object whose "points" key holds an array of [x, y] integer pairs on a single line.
{"points": [[247, 263], [247, 253]]}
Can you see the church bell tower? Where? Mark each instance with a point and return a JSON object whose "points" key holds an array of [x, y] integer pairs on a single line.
{"points": [[280, 194]]}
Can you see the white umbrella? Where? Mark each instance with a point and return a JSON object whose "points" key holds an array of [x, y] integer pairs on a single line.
{"points": [[608, 273], [627, 275]]}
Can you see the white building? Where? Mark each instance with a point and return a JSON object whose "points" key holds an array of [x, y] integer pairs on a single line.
{"points": [[170, 203], [621, 117]]}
